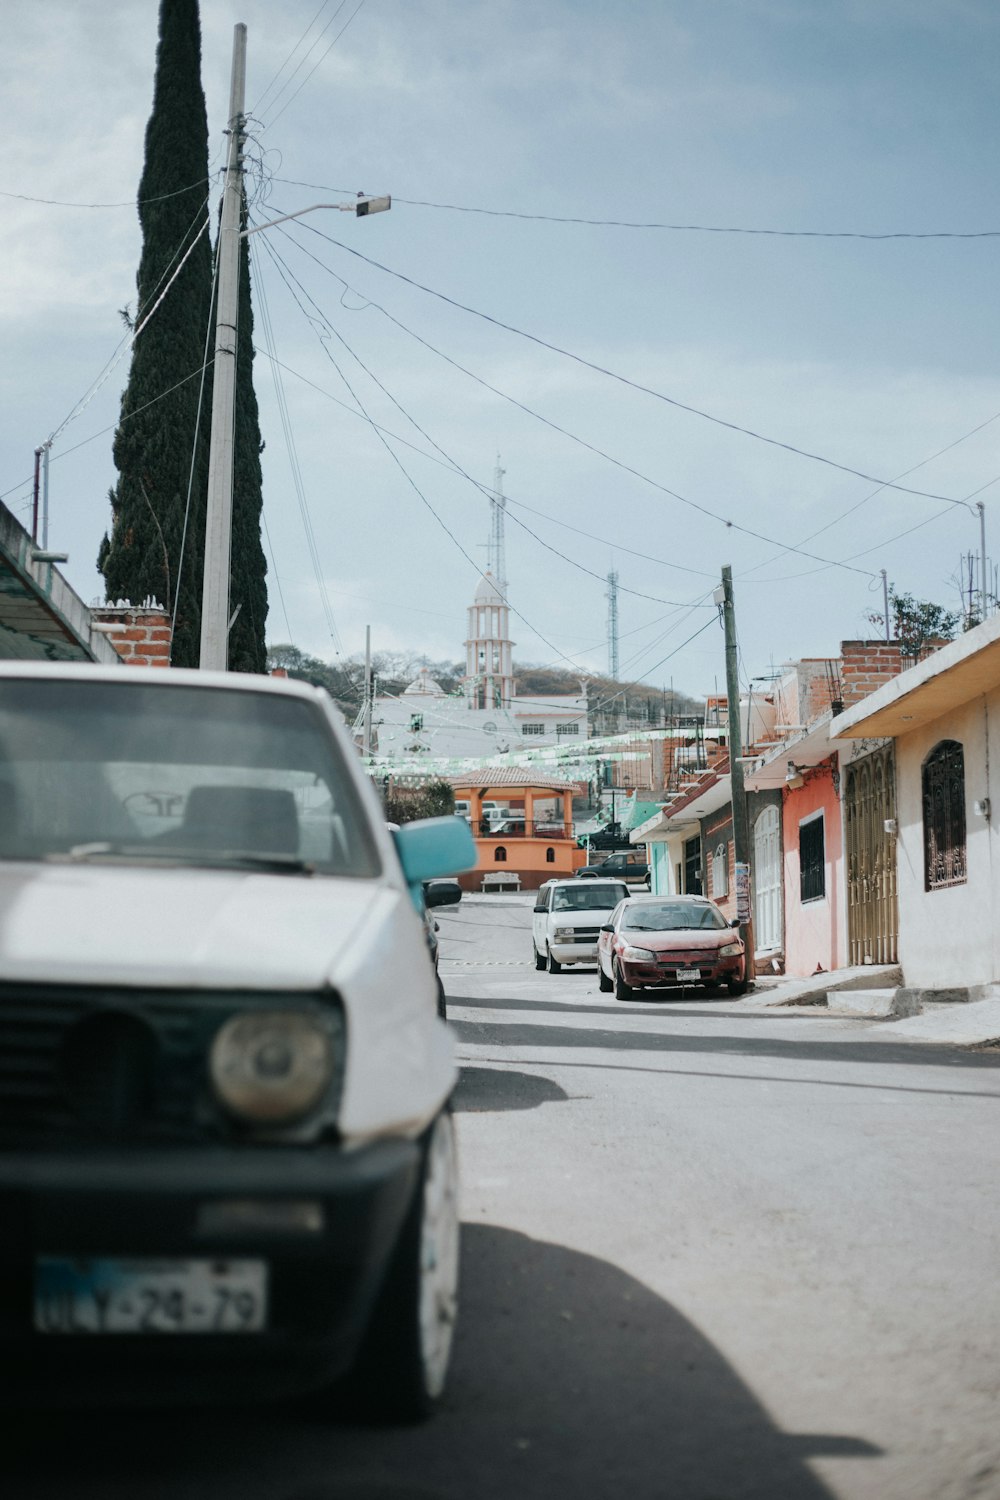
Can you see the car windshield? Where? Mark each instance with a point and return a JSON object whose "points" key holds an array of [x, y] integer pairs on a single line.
{"points": [[673, 916], [589, 896], [183, 775]]}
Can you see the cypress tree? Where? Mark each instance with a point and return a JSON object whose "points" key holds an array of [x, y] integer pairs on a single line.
{"points": [[156, 451], [247, 588]]}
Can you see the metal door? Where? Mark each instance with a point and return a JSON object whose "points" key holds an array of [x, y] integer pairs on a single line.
{"points": [[767, 869], [869, 806]]}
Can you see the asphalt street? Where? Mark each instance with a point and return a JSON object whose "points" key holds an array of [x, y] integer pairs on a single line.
{"points": [[709, 1251]]}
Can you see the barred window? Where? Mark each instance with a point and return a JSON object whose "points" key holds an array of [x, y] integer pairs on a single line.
{"points": [[812, 860], [563, 729], [720, 872], [943, 787], [532, 728], [500, 854]]}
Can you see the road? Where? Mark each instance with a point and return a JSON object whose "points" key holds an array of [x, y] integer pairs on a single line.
{"points": [[710, 1251]]}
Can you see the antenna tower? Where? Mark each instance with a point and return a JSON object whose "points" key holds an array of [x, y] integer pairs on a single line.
{"points": [[613, 625], [497, 562]]}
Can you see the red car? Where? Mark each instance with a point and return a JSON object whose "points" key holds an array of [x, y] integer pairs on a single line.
{"points": [[669, 941]]}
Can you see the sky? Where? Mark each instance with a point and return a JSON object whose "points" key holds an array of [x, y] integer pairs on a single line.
{"points": [[664, 401]]}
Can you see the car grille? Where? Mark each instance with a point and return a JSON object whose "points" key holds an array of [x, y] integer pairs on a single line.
{"points": [[83, 1066], [586, 934]]}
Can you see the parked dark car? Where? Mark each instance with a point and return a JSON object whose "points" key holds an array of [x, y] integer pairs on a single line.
{"points": [[629, 866], [438, 893], [653, 942]]}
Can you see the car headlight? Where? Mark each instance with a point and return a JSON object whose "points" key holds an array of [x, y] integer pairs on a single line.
{"points": [[564, 935], [271, 1067], [638, 955], [728, 950]]}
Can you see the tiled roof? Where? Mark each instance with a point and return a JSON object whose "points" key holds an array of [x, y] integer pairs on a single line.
{"points": [[493, 777]]}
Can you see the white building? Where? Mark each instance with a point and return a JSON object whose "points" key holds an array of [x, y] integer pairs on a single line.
{"points": [[488, 719]]}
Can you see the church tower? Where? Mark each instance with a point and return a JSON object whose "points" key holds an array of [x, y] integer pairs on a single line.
{"points": [[489, 672]]}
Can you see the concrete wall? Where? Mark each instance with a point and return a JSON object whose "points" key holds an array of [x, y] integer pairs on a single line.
{"points": [[950, 938], [815, 931]]}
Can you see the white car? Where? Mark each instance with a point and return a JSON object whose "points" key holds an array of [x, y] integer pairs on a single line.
{"points": [[226, 1155], [567, 919]]}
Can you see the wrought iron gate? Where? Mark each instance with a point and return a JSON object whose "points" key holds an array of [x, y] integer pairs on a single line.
{"points": [[869, 804]]}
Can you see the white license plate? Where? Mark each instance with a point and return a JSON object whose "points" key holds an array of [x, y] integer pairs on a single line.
{"points": [[149, 1296], [688, 973]]}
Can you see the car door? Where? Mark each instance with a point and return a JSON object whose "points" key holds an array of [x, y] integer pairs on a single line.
{"points": [[539, 918], [605, 941]]}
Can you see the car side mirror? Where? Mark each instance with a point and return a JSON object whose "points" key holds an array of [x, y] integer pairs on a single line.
{"points": [[608, 927], [734, 921], [442, 893]]}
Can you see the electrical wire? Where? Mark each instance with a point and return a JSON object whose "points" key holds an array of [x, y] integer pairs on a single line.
{"points": [[809, 234], [574, 437], [457, 468], [326, 54], [395, 457], [130, 203], [626, 380], [297, 481], [259, 103]]}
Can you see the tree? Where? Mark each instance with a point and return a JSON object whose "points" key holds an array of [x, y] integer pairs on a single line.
{"points": [[161, 445], [917, 624], [247, 587], [404, 804], [155, 450]]}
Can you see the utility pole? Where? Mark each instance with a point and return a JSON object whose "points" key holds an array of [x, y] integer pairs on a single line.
{"points": [[366, 742], [219, 512], [613, 625], [741, 822], [885, 604]]}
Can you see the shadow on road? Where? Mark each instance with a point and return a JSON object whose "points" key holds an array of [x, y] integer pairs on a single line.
{"points": [[570, 1379], [750, 1043], [492, 1089]]}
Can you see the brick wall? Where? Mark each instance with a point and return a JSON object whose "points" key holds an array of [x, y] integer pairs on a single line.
{"points": [[140, 634], [866, 665]]}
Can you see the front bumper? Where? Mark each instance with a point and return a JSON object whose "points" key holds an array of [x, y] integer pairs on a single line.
{"points": [[711, 971], [324, 1274], [574, 953]]}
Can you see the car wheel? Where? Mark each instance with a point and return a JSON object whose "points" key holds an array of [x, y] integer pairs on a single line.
{"points": [[737, 986], [623, 991], [400, 1373], [553, 965], [442, 1002], [604, 984], [539, 959]]}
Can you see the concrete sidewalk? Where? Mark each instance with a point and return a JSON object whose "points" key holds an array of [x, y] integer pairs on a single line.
{"points": [[876, 993]]}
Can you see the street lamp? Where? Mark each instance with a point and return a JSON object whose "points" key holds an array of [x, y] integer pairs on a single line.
{"points": [[215, 621]]}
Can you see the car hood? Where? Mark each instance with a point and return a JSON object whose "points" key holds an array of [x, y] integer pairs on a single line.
{"points": [[690, 939], [104, 924], [581, 918]]}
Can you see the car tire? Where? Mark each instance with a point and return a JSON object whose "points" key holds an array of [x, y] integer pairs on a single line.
{"points": [[400, 1373], [623, 991], [737, 986], [604, 984], [539, 959], [442, 1003], [552, 964]]}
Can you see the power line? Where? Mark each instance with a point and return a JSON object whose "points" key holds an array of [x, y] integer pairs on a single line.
{"points": [[625, 380], [322, 59], [129, 203], [574, 437], [457, 468], [807, 234]]}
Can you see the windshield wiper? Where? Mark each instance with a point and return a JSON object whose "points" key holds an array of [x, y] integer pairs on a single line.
{"points": [[282, 864]]}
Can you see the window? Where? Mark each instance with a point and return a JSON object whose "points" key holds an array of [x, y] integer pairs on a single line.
{"points": [[416, 723], [500, 854], [564, 729], [720, 871], [550, 856], [532, 728], [812, 859], [943, 787]]}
